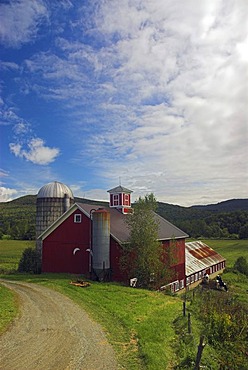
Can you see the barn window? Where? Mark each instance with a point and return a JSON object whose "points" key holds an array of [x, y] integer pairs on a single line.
{"points": [[176, 286], [182, 284], [116, 200], [188, 280], [126, 199], [77, 218]]}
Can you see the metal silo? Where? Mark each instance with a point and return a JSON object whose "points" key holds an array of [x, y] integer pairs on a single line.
{"points": [[101, 243], [52, 201]]}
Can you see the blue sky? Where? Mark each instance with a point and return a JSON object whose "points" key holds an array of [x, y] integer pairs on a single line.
{"points": [[152, 94]]}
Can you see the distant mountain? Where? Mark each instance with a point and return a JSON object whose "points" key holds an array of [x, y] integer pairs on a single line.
{"points": [[225, 206], [225, 219]]}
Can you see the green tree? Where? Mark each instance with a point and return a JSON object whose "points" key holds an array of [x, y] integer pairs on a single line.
{"points": [[29, 261], [243, 232], [241, 265], [143, 252]]}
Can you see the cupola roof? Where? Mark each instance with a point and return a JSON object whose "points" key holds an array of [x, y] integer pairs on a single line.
{"points": [[120, 189]]}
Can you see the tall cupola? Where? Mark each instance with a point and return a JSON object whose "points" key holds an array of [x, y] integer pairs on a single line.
{"points": [[120, 198]]}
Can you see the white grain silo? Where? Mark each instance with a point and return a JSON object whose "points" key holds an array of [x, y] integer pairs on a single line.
{"points": [[101, 244]]}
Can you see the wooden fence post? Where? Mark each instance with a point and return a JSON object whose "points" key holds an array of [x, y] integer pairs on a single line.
{"points": [[189, 323], [184, 309], [199, 353]]}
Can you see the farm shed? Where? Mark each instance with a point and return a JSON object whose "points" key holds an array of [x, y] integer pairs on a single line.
{"points": [[201, 259]]}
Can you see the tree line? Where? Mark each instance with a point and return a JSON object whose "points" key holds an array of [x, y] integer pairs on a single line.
{"points": [[17, 219]]}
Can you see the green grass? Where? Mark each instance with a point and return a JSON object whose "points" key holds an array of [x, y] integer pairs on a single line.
{"points": [[138, 323], [10, 253], [229, 249], [8, 307], [141, 325]]}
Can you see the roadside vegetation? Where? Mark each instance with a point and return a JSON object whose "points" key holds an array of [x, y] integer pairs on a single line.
{"points": [[147, 328]]}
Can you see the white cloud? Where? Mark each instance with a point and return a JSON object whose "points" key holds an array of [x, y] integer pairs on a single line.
{"points": [[160, 92], [7, 194], [20, 21], [37, 152]]}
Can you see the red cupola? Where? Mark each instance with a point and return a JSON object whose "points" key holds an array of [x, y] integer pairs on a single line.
{"points": [[120, 198]]}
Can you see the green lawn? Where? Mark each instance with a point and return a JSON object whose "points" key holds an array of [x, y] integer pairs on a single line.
{"points": [[140, 324]]}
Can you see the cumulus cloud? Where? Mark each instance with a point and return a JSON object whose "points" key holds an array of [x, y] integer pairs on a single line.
{"points": [[36, 153], [20, 21], [157, 94], [7, 194]]}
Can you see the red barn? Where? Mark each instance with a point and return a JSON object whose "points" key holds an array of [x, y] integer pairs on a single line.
{"points": [[88, 239]]}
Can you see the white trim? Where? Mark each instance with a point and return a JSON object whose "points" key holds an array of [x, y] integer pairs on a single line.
{"points": [[77, 218]]}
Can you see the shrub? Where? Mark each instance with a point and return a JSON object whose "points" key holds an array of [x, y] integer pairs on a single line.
{"points": [[29, 261], [241, 265]]}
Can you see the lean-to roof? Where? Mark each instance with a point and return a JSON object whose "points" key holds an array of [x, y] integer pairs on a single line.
{"points": [[199, 256]]}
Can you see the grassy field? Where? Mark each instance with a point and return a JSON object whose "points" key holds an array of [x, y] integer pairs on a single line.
{"points": [[229, 249], [143, 326], [10, 253]]}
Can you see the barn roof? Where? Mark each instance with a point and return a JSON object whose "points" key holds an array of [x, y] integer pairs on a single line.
{"points": [[118, 226], [119, 229], [199, 256]]}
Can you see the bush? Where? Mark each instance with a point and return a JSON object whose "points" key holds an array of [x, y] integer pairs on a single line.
{"points": [[241, 265], [29, 261]]}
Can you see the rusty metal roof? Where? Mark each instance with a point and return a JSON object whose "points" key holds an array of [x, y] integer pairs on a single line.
{"points": [[120, 231], [199, 256]]}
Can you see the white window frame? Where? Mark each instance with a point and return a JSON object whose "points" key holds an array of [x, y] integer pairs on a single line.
{"points": [[176, 286], [116, 199], [182, 284], [126, 200], [77, 218]]}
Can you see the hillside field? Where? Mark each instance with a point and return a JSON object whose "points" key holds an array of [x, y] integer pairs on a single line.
{"points": [[145, 327]]}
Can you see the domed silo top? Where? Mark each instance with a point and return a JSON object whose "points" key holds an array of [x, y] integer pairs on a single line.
{"points": [[55, 190]]}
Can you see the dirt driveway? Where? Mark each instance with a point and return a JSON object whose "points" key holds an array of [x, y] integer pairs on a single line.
{"points": [[52, 333]]}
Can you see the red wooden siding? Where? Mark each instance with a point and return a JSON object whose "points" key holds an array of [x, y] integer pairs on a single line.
{"points": [[115, 254], [58, 247], [175, 256], [111, 200]]}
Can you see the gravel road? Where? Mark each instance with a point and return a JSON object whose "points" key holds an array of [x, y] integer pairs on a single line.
{"points": [[52, 333]]}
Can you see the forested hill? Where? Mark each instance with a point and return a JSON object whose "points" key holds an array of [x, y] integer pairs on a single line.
{"points": [[222, 220], [226, 206]]}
